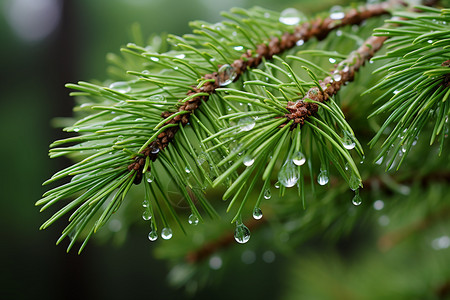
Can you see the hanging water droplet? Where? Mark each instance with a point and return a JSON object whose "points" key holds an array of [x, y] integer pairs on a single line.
{"points": [[226, 75], [357, 199], [331, 60], [322, 178], [348, 141], [346, 166], [146, 215], [154, 150], [277, 185], [150, 178], [187, 170], [246, 124], [288, 174], [166, 233], [337, 12], [257, 213], [180, 56], [354, 182], [238, 48], [291, 16], [267, 194], [241, 234], [76, 129], [145, 203], [153, 235], [379, 161], [120, 86], [193, 219], [299, 158], [337, 76], [248, 160], [154, 58]]}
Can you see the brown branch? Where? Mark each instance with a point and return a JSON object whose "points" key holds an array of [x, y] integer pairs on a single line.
{"points": [[319, 28], [344, 72]]}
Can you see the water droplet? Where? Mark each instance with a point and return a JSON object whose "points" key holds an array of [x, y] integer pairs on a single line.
{"points": [[299, 158], [337, 76], [267, 194], [158, 98], [193, 219], [238, 48], [226, 75], [277, 185], [166, 233], [120, 86], [348, 141], [154, 58], [300, 42], [337, 12], [257, 213], [288, 174], [322, 178], [187, 170], [357, 199], [139, 119], [266, 15], [379, 161], [146, 215], [430, 41], [153, 235], [332, 60], [246, 124], [146, 72], [248, 160], [154, 150], [76, 129], [354, 182], [378, 205], [180, 56], [338, 32], [241, 234], [145, 203], [291, 16], [150, 178]]}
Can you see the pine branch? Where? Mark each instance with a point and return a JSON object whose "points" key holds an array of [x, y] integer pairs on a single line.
{"points": [[319, 28]]}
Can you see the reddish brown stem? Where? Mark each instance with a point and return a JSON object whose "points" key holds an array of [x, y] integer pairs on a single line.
{"points": [[345, 72]]}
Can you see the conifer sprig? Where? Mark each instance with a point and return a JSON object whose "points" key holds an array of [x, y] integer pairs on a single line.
{"points": [[140, 128]]}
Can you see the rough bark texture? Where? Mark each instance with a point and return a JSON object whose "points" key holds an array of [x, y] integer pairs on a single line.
{"points": [[343, 73]]}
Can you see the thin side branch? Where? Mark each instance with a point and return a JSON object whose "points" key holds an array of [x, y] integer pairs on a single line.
{"points": [[343, 73]]}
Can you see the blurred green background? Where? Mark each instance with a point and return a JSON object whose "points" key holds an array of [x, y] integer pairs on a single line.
{"points": [[45, 44]]}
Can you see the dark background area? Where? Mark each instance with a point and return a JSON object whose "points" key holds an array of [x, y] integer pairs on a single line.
{"points": [[45, 44]]}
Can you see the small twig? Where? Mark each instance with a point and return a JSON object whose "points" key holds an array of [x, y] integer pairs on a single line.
{"points": [[343, 73]]}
